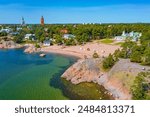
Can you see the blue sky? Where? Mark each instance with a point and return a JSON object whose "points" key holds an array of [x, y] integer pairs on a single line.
{"points": [[75, 11]]}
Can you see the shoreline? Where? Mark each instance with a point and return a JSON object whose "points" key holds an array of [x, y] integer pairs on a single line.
{"points": [[84, 51], [83, 71], [81, 51]]}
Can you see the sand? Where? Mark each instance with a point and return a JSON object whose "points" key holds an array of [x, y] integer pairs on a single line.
{"points": [[84, 50]]}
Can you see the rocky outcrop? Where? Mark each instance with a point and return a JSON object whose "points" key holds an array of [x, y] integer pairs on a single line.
{"points": [[31, 49], [9, 45], [117, 81], [121, 77], [85, 70]]}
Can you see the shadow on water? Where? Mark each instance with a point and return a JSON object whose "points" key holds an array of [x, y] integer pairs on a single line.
{"points": [[56, 79], [82, 91]]}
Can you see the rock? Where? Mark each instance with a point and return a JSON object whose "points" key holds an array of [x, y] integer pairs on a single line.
{"points": [[31, 49], [9, 44], [86, 70], [1, 46]]}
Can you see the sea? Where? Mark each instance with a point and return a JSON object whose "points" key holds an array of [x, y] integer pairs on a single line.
{"points": [[31, 77]]}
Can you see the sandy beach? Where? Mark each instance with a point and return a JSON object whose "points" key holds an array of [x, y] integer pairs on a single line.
{"points": [[84, 50]]}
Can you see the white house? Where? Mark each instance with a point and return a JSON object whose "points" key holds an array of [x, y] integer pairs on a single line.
{"points": [[14, 33], [134, 36], [68, 36], [7, 30], [18, 29], [47, 43], [119, 38], [30, 37]]}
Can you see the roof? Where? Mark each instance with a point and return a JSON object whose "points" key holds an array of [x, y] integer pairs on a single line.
{"points": [[68, 36]]}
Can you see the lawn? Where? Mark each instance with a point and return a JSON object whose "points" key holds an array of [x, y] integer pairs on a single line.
{"points": [[119, 43], [107, 41]]}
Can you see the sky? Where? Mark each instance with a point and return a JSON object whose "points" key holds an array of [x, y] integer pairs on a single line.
{"points": [[75, 11]]}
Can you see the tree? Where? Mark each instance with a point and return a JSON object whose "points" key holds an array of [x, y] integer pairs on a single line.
{"points": [[136, 54], [145, 37], [58, 39], [146, 56], [136, 57], [138, 87], [19, 38], [108, 62], [3, 34]]}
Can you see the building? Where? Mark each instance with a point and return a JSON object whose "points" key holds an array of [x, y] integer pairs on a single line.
{"points": [[68, 36], [47, 42], [13, 33], [6, 30], [134, 36], [42, 21], [18, 29], [30, 37], [23, 22]]}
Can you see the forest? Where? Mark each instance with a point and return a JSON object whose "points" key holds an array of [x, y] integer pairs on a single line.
{"points": [[83, 32]]}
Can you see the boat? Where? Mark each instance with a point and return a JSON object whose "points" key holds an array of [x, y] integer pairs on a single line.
{"points": [[42, 55]]}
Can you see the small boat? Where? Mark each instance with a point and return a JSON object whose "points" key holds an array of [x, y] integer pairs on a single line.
{"points": [[42, 55]]}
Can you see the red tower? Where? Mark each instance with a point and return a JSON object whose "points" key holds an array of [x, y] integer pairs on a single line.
{"points": [[42, 20]]}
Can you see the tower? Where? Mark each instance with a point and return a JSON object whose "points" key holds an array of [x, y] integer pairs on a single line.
{"points": [[42, 20], [22, 22]]}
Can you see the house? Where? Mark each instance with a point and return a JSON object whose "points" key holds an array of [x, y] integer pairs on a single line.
{"points": [[120, 38], [134, 36], [47, 43], [14, 33], [30, 37], [68, 36], [7, 30], [18, 29]]}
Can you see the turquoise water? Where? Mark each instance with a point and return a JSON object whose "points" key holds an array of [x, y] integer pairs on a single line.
{"points": [[28, 76]]}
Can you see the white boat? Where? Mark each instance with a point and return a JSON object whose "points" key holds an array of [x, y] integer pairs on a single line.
{"points": [[42, 55]]}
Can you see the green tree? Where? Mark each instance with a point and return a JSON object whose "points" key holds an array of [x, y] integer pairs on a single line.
{"points": [[108, 62], [146, 56], [136, 57], [138, 87]]}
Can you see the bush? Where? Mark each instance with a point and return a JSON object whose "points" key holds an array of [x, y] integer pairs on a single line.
{"points": [[70, 42], [3, 34], [95, 55], [108, 62], [136, 57], [137, 89], [37, 45]]}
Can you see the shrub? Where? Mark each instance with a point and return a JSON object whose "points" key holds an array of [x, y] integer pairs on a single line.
{"points": [[108, 62], [37, 45], [136, 57], [138, 87], [95, 55]]}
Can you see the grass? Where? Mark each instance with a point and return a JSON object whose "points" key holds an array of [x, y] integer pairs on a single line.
{"points": [[119, 43], [107, 41], [125, 78]]}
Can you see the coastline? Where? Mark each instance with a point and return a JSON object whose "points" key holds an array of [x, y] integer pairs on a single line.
{"points": [[89, 70], [83, 51], [80, 52]]}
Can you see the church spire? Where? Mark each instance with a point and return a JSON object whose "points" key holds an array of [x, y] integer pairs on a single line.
{"points": [[42, 20], [22, 21]]}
